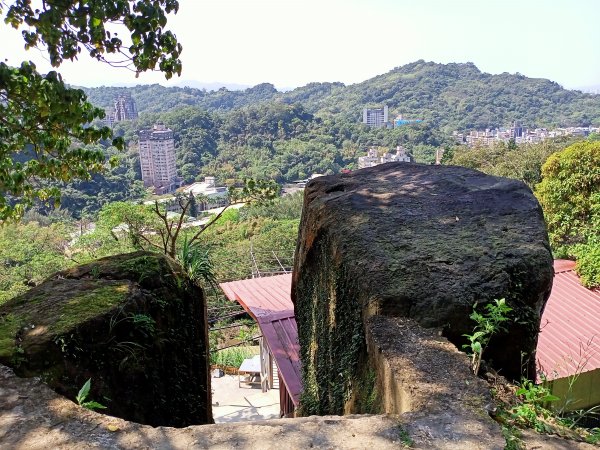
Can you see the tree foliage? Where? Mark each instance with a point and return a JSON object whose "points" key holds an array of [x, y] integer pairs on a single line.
{"points": [[30, 252], [523, 162], [570, 193], [40, 117], [570, 197]]}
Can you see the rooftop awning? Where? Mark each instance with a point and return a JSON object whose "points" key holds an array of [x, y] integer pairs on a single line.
{"points": [[268, 300]]}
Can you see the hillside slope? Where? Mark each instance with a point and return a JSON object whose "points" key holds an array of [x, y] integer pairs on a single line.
{"points": [[450, 96]]}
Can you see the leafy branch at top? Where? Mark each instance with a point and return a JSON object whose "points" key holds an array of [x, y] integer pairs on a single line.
{"points": [[40, 117]]}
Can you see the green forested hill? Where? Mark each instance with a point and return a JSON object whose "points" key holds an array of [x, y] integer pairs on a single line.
{"points": [[157, 98], [448, 96], [460, 96], [262, 133]]}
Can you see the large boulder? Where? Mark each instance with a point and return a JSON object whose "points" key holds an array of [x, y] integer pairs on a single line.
{"points": [[421, 242], [133, 323]]}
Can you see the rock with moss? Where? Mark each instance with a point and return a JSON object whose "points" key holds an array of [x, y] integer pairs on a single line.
{"points": [[421, 242], [133, 323]]}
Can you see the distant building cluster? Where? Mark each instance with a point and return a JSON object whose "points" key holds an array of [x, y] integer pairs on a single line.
{"points": [[207, 194], [124, 109], [157, 158], [373, 159], [375, 117], [378, 118], [519, 134]]}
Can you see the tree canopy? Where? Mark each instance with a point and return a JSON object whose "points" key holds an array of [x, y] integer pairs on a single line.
{"points": [[44, 123], [570, 196]]}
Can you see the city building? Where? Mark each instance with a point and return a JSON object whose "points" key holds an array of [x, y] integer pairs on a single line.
{"points": [[375, 117], [373, 159], [124, 109], [516, 130], [399, 121], [157, 159], [208, 194], [519, 134]]}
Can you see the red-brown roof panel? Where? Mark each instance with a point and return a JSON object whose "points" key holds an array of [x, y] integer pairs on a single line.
{"points": [[261, 296], [569, 341], [268, 300]]}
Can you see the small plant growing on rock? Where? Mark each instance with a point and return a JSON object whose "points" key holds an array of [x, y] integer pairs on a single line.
{"points": [[82, 397], [488, 323]]}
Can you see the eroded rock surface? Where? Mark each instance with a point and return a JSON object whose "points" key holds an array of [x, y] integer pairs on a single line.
{"points": [[132, 323], [421, 242], [32, 417]]}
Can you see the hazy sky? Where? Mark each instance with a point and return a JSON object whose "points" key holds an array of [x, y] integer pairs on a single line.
{"points": [[290, 43]]}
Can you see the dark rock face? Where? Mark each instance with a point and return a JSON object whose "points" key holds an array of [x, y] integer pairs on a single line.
{"points": [[132, 323], [422, 242]]}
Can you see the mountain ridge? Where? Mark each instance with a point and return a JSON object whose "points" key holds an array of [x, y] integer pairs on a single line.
{"points": [[448, 96]]}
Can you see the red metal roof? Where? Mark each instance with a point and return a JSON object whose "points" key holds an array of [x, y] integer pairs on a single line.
{"points": [[262, 296], [268, 300], [569, 341], [281, 335]]}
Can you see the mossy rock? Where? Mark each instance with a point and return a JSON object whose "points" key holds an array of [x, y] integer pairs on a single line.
{"points": [[421, 242], [133, 323]]}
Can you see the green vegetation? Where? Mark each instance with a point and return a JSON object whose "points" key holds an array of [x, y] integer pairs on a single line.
{"points": [[487, 324], [43, 132], [447, 96], [96, 299], [570, 196], [523, 162], [83, 395], [264, 134], [197, 264], [366, 395], [331, 342], [405, 438], [30, 252], [233, 356]]}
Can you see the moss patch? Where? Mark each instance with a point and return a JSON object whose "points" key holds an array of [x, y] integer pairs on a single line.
{"points": [[331, 337], [9, 326], [366, 396], [86, 305]]}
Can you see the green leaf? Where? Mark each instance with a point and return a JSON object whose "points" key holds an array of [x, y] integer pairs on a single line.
{"points": [[93, 405], [84, 391]]}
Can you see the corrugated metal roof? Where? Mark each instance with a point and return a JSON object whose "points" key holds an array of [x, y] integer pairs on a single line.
{"points": [[281, 335], [268, 300], [569, 341], [262, 296]]}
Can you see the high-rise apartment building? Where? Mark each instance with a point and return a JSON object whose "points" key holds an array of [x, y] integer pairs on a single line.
{"points": [[125, 108], [157, 158], [375, 117]]}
